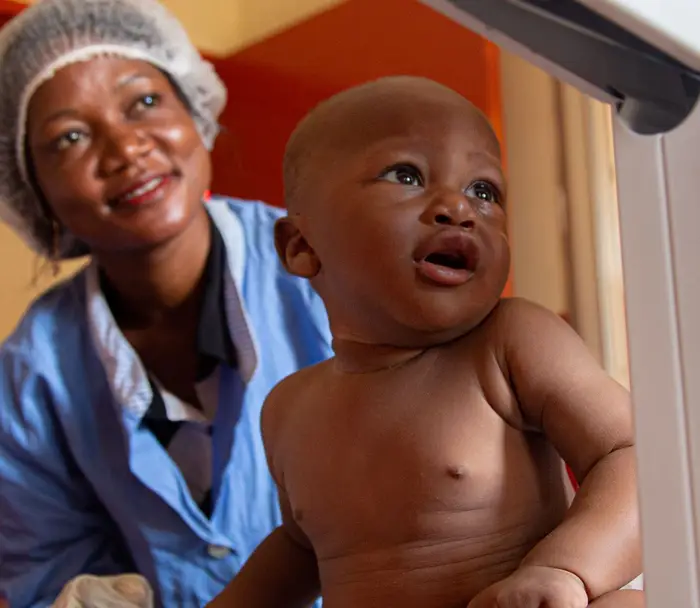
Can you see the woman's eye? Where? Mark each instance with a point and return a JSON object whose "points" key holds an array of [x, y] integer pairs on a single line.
{"points": [[148, 101], [406, 175], [484, 191], [68, 139]]}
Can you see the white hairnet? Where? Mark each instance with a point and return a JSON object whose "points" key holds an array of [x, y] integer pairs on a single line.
{"points": [[52, 34]]}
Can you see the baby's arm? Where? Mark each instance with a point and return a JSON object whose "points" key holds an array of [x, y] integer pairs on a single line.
{"points": [[282, 572], [587, 416]]}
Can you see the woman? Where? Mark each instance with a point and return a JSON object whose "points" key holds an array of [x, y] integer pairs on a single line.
{"points": [[130, 395]]}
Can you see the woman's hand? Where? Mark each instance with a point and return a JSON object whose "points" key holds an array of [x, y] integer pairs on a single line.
{"points": [[123, 591], [534, 587]]}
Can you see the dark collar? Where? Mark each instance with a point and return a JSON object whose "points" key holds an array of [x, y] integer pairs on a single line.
{"points": [[214, 344]]}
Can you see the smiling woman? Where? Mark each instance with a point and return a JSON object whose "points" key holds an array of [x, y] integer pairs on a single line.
{"points": [[117, 158], [122, 389]]}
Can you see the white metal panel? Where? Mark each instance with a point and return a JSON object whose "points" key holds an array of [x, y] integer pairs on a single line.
{"points": [[463, 18], [681, 152], [661, 364], [671, 25]]}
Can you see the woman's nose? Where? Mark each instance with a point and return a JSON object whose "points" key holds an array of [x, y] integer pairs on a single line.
{"points": [[451, 209], [124, 148]]}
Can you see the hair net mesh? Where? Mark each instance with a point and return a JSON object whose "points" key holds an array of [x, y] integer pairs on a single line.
{"points": [[52, 34]]}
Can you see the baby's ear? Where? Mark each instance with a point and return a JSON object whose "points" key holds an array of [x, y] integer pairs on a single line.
{"points": [[297, 256]]}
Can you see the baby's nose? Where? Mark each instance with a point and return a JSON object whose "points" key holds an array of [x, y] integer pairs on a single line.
{"points": [[453, 210]]}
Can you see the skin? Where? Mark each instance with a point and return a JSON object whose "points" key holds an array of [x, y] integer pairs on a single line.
{"points": [[95, 130], [421, 466]]}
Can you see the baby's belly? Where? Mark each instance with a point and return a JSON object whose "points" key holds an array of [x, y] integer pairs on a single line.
{"points": [[437, 571], [415, 506]]}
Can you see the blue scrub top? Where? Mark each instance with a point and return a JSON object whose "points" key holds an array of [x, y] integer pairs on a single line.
{"points": [[85, 487]]}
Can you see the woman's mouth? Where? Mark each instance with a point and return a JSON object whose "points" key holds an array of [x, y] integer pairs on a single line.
{"points": [[143, 192]]}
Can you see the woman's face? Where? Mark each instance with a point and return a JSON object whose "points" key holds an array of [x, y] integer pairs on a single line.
{"points": [[116, 154]]}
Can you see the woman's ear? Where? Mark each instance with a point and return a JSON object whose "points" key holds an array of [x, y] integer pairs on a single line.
{"points": [[297, 256]]}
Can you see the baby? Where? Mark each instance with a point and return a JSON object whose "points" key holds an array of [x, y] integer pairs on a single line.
{"points": [[421, 466]]}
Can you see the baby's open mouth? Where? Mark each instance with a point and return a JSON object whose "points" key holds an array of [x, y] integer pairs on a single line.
{"points": [[456, 261], [448, 259]]}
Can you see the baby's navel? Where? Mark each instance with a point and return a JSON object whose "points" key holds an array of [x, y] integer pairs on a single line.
{"points": [[457, 471], [298, 515]]}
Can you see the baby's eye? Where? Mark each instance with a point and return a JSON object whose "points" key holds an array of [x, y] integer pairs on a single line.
{"points": [[484, 191], [406, 175], [68, 139]]}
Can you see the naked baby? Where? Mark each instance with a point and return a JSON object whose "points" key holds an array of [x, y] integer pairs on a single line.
{"points": [[421, 466]]}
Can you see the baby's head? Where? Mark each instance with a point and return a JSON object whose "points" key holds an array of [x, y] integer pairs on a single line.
{"points": [[396, 212]]}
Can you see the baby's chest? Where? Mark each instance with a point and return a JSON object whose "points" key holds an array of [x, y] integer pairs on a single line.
{"points": [[402, 454]]}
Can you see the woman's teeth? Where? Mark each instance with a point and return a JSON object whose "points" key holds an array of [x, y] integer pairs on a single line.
{"points": [[145, 189]]}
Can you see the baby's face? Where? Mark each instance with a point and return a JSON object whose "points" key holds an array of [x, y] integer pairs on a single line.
{"points": [[409, 223]]}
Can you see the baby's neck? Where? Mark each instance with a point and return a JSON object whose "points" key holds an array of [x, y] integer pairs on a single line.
{"points": [[353, 357]]}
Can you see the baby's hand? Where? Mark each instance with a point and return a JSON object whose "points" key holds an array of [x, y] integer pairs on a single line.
{"points": [[534, 587]]}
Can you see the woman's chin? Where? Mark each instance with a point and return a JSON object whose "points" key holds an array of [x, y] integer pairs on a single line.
{"points": [[146, 241]]}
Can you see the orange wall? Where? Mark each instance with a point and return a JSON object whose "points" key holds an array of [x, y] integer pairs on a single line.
{"points": [[9, 8]]}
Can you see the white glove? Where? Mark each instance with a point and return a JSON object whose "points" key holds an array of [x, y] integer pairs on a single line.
{"points": [[125, 591]]}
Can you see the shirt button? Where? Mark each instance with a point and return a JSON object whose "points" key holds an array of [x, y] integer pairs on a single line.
{"points": [[218, 551]]}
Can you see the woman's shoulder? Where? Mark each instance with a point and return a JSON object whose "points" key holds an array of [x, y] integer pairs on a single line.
{"points": [[249, 210], [256, 220], [50, 322], [40, 363]]}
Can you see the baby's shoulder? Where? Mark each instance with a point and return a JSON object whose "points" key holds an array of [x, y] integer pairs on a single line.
{"points": [[297, 385], [516, 329], [531, 336], [293, 392], [510, 310], [515, 317]]}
